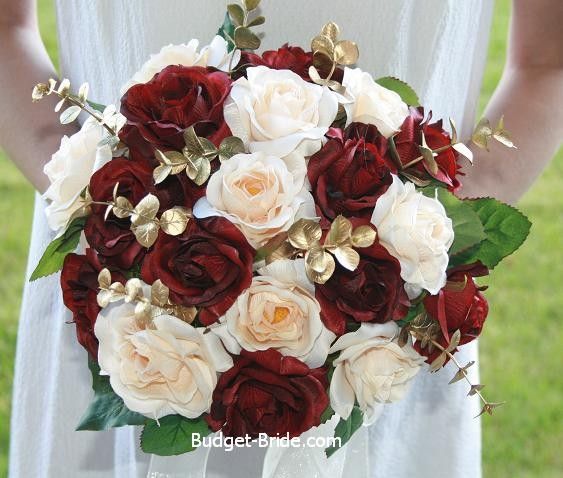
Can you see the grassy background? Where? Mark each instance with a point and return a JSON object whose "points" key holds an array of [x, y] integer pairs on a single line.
{"points": [[520, 350]]}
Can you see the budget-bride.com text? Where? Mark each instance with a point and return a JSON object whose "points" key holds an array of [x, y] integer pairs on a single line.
{"points": [[230, 443]]}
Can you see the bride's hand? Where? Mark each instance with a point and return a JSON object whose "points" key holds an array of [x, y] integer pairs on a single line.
{"points": [[530, 96], [29, 133]]}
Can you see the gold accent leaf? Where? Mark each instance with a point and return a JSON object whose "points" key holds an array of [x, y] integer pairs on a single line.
{"points": [[346, 52], [122, 207], [237, 13], [438, 362], [347, 257], [133, 289], [363, 236], [304, 233], [283, 251], [331, 30], [482, 133], [229, 147], [83, 92], [104, 279], [250, 5], [146, 210], [159, 293], [70, 114], [319, 265], [145, 233], [340, 231], [174, 221], [476, 387], [161, 172], [454, 341], [246, 39]]}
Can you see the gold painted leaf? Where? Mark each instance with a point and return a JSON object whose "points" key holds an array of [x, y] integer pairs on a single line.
{"points": [[187, 314], [347, 257], [109, 208], [454, 341], [146, 233], [83, 92], [229, 147], [161, 172], [363, 236], [283, 251], [236, 12], [64, 87], [482, 133], [39, 92], [304, 233], [331, 30], [454, 131], [340, 231], [504, 138], [203, 170], [60, 105], [346, 52], [428, 157], [460, 375], [323, 45], [193, 144], [438, 362], [246, 39], [421, 183], [122, 207], [133, 289], [404, 336], [319, 265], [259, 20], [250, 5], [146, 210], [159, 293], [462, 149], [477, 387], [174, 221], [104, 279]]}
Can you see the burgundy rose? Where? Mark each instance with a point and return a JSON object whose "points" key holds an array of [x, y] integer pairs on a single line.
{"points": [[178, 97], [208, 266], [111, 237], [266, 392], [460, 305], [374, 292], [79, 283], [287, 57], [350, 172], [409, 139]]}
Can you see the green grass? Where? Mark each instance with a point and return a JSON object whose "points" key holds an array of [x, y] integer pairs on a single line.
{"points": [[521, 346]]}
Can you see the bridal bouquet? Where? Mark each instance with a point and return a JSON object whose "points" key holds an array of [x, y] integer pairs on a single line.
{"points": [[266, 240]]}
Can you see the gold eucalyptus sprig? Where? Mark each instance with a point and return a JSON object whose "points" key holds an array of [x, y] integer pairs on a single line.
{"points": [[144, 223], [195, 157], [243, 37], [329, 51], [304, 240], [422, 328], [74, 104], [484, 133], [146, 308]]}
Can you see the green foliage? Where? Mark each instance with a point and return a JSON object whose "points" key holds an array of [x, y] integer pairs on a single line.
{"points": [[172, 435], [107, 410], [54, 256], [505, 228], [227, 31], [405, 91], [345, 429]]}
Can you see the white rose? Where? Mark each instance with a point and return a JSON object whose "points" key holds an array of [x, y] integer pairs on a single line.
{"points": [[215, 54], [257, 193], [278, 311], [277, 112], [69, 172], [416, 231], [371, 369], [372, 103], [167, 367]]}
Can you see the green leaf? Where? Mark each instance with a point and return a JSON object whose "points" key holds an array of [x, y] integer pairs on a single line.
{"points": [[345, 429], [97, 106], [327, 414], [54, 256], [172, 435], [468, 229], [107, 410], [227, 31], [505, 228], [413, 312], [407, 94]]}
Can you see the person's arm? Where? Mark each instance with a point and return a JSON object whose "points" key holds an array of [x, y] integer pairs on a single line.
{"points": [[29, 133], [530, 96]]}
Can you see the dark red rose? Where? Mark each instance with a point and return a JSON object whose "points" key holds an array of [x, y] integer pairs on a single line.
{"points": [[79, 282], [266, 392], [460, 305], [374, 292], [112, 237], [410, 137], [350, 172], [208, 266], [287, 57], [176, 98]]}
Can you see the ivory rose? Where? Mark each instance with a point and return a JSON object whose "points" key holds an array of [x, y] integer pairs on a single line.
{"points": [[215, 54], [277, 112], [416, 231], [372, 103], [257, 193], [69, 172], [162, 368], [278, 311], [371, 369]]}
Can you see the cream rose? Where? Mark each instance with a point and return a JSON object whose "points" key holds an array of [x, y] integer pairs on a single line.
{"points": [[278, 311], [416, 231], [70, 169], [259, 194], [371, 369], [162, 368], [216, 54], [277, 112], [372, 103]]}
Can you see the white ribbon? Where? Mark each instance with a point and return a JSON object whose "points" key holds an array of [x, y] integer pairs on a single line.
{"points": [[282, 461]]}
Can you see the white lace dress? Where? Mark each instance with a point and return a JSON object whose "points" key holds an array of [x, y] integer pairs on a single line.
{"points": [[439, 47]]}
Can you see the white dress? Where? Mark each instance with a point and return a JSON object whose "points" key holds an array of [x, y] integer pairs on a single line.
{"points": [[438, 46]]}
